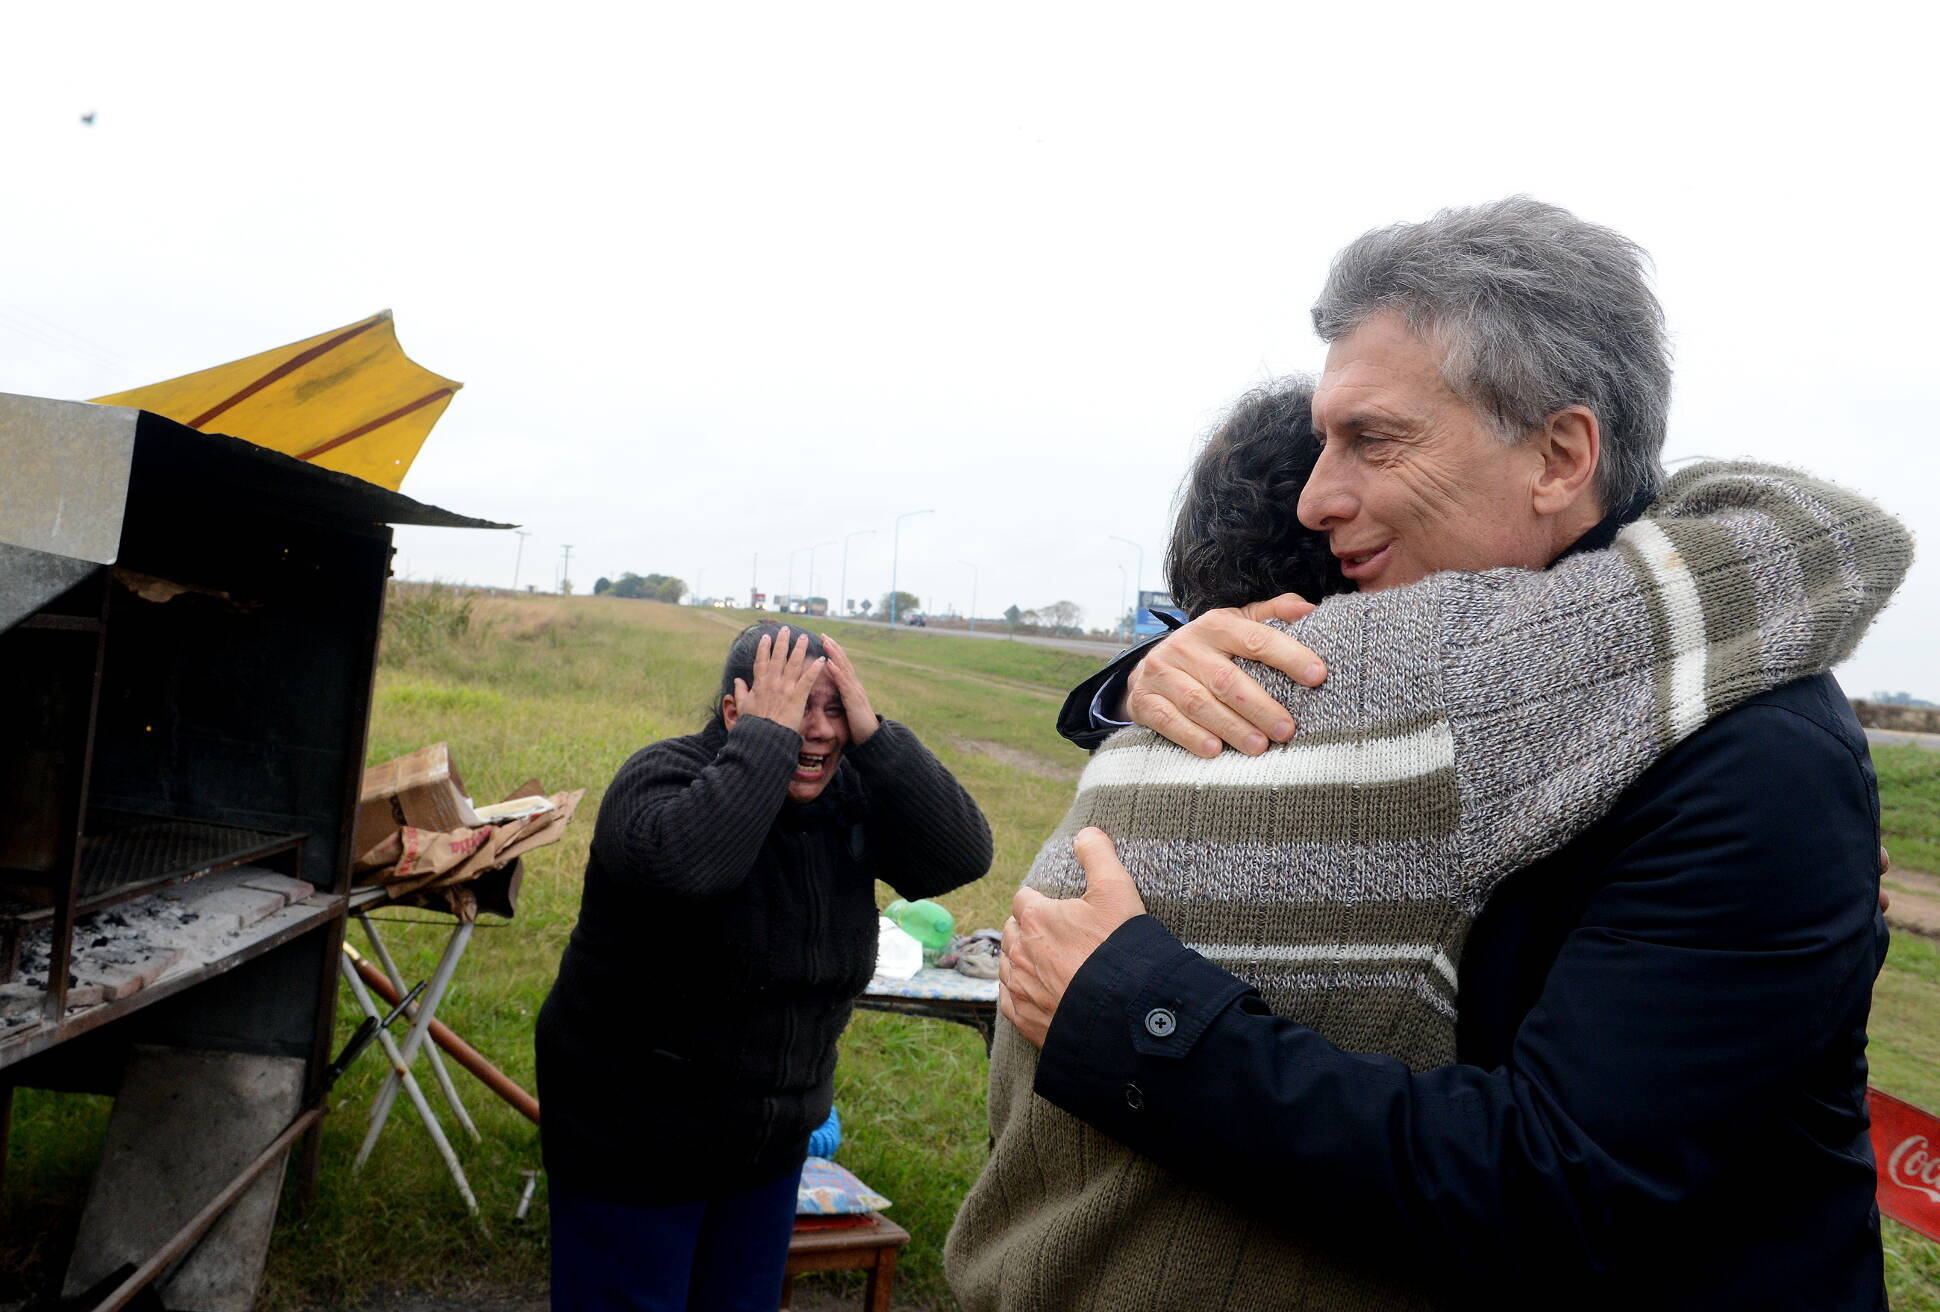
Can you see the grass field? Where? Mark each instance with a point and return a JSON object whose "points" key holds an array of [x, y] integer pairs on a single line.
{"points": [[564, 691], [1909, 795]]}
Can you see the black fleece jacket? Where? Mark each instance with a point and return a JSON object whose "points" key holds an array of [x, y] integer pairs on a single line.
{"points": [[687, 1047]]}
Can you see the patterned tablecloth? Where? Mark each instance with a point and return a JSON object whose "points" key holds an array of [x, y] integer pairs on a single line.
{"points": [[947, 985]]}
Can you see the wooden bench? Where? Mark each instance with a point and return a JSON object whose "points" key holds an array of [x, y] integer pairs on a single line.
{"points": [[870, 1248]]}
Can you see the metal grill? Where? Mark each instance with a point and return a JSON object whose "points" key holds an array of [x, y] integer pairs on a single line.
{"points": [[124, 851]]}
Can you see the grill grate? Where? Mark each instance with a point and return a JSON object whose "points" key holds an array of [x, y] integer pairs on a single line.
{"points": [[124, 854], [130, 849]]}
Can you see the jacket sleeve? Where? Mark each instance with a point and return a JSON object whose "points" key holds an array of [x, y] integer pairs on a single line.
{"points": [[1076, 721], [1559, 688], [692, 826], [925, 833], [1733, 936]]}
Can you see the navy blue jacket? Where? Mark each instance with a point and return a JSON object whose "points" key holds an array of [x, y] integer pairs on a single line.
{"points": [[1661, 1095]]}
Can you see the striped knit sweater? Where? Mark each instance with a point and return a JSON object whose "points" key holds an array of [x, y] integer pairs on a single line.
{"points": [[1470, 725]]}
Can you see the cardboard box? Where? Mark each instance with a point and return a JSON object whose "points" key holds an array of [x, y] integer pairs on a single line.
{"points": [[421, 791]]}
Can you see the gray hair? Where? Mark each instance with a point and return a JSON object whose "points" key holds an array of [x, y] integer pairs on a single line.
{"points": [[1535, 310]]}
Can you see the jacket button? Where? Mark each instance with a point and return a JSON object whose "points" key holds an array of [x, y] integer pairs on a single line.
{"points": [[1160, 1023], [1134, 1097]]}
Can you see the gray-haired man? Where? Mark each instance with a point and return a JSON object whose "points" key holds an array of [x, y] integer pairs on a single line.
{"points": [[1662, 1027]]}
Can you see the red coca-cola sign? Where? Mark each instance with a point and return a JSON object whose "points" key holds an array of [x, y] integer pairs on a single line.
{"points": [[1906, 1145]]}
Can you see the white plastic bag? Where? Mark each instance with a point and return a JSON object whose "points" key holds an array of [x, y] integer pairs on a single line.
{"points": [[898, 956]]}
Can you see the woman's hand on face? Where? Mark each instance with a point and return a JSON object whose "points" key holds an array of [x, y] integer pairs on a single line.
{"points": [[855, 701], [782, 679], [1189, 690]]}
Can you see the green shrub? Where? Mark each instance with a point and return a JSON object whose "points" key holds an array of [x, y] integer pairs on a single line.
{"points": [[423, 617]]}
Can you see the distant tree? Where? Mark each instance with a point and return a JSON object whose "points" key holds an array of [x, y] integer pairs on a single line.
{"points": [[906, 603], [601, 585], [1012, 615], [565, 587], [1030, 619], [1063, 615], [652, 587]]}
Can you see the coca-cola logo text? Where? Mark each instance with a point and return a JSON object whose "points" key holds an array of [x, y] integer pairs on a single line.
{"points": [[1914, 1165]]}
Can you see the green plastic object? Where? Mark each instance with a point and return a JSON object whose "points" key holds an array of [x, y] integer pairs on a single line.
{"points": [[927, 922]]}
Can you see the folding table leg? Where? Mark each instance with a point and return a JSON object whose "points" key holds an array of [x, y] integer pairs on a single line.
{"points": [[434, 992], [401, 1067], [383, 955]]}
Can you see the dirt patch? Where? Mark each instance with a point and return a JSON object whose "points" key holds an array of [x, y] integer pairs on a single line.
{"points": [[1915, 901], [1017, 758]]}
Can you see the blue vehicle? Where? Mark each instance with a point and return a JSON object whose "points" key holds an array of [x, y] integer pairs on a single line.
{"points": [[1145, 622]]}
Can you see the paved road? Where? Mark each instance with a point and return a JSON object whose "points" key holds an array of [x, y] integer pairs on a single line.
{"points": [[1930, 741], [1104, 651]]}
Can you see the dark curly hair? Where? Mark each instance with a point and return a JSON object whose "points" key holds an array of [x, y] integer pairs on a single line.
{"points": [[1238, 537], [742, 651]]}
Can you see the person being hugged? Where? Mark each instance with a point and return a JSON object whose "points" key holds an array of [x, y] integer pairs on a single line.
{"points": [[726, 925]]}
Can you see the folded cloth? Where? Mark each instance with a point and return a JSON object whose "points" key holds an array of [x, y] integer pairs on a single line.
{"points": [[978, 959], [974, 954], [830, 1190]]}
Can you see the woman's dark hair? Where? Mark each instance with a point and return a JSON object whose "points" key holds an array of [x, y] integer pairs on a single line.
{"points": [[741, 654], [1238, 536]]}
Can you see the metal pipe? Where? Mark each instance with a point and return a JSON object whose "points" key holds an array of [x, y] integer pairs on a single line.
{"points": [[180, 1242], [461, 1052]]}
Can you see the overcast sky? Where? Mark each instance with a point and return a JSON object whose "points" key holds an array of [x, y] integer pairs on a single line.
{"points": [[728, 281]]}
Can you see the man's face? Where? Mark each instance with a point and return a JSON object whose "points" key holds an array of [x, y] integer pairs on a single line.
{"points": [[1411, 480]]}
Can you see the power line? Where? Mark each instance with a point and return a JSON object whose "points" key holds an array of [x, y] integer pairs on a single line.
{"points": [[37, 327]]}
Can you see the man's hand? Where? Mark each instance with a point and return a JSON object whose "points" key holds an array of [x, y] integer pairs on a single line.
{"points": [[1047, 939], [1189, 690]]}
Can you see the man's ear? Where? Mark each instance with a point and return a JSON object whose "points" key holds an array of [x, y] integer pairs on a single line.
{"points": [[729, 712], [1570, 443]]}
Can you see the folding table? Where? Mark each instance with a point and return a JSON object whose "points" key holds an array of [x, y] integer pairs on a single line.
{"points": [[403, 1054]]}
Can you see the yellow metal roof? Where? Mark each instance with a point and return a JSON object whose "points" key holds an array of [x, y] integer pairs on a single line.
{"points": [[348, 400]]}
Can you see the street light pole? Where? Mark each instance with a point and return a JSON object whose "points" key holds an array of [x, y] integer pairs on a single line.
{"points": [[1121, 606], [811, 563], [1138, 580], [843, 587], [895, 551], [519, 555], [791, 574], [973, 593]]}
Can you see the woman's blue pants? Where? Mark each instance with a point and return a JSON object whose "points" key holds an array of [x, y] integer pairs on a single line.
{"points": [[727, 1255]]}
